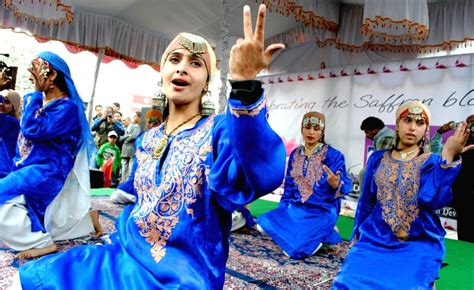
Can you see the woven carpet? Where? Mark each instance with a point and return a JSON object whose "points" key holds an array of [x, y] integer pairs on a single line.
{"points": [[255, 261]]}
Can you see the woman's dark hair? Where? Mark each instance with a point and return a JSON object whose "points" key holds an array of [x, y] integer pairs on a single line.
{"points": [[60, 82]]}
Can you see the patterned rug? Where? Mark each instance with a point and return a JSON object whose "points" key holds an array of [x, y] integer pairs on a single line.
{"points": [[255, 261]]}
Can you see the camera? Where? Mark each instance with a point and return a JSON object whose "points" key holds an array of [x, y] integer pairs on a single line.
{"points": [[455, 125]]}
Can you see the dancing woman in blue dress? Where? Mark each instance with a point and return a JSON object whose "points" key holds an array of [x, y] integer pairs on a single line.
{"points": [[398, 238], [191, 173], [45, 198], [315, 182]]}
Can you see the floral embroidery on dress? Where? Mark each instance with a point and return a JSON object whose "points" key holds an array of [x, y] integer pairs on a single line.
{"points": [[306, 171], [398, 183], [162, 198], [24, 148]]}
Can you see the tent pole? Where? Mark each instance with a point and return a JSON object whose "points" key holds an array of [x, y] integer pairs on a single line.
{"points": [[100, 55], [224, 39]]}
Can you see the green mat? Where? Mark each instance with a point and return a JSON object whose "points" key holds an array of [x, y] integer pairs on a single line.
{"points": [[102, 191], [459, 274]]}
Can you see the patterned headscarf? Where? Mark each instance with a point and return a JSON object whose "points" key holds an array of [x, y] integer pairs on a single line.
{"points": [[196, 45], [58, 64]]}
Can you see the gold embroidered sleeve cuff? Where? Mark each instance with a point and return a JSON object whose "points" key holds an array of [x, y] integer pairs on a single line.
{"points": [[252, 110], [452, 164]]}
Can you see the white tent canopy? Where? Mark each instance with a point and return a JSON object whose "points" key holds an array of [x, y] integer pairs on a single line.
{"points": [[139, 30], [317, 33]]}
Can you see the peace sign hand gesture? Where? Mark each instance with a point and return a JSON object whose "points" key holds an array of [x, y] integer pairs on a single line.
{"points": [[247, 56], [333, 179]]}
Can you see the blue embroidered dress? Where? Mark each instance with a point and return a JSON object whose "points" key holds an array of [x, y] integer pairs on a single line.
{"points": [[9, 129], [176, 235], [309, 207], [47, 146], [399, 238]]}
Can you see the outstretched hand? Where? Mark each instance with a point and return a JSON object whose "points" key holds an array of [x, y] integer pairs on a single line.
{"points": [[248, 56], [456, 143], [333, 179]]}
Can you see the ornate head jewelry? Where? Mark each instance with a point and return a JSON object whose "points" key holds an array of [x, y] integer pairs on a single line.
{"points": [[314, 119], [314, 122], [415, 110], [196, 45]]}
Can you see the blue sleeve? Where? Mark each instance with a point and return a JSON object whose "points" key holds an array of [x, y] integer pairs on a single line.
{"points": [[249, 155], [96, 124], [9, 127], [435, 182], [40, 123], [368, 196], [336, 162], [118, 127]]}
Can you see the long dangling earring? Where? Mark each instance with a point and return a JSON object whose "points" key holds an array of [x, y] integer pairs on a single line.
{"points": [[395, 139], [427, 141], [207, 106], [160, 101]]}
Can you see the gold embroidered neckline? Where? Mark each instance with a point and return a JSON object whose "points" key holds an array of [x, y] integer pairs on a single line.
{"points": [[161, 144]]}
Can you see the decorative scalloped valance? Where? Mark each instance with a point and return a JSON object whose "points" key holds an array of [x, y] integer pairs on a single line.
{"points": [[47, 12], [321, 14], [450, 28], [95, 32], [395, 22]]}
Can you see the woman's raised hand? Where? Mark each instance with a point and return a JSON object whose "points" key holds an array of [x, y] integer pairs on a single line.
{"points": [[456, 143], [333, 179], [248, 56]]}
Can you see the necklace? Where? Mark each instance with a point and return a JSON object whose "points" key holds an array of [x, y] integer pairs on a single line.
{"points": [[404, 155], [160, 146], [310, 151]]}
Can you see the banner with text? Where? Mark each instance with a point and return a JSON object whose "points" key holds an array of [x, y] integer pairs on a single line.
{"points": [[445, 85]]}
